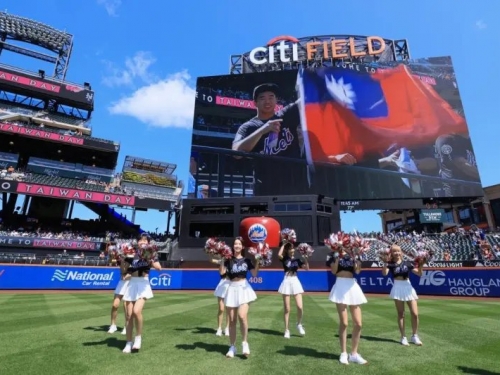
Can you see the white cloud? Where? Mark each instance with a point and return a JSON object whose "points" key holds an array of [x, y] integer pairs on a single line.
{"points": [[481, 25], [111, 6], [136, 67], [165, 103]]}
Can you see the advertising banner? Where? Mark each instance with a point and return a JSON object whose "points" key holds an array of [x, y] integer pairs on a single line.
{"points": [[351, 131], [74, 194], [8, 160], [77, 278], [36, 242], [453, 282], [56, 137], [47, 88], [84, 195], [435, 216], [432, 264], [41, 134]]}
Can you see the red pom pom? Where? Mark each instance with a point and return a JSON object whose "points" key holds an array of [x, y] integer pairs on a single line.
{"points": [[128, 250], [262, 253], [225, 251], [305, 249], [288, 235], [211, 246]]}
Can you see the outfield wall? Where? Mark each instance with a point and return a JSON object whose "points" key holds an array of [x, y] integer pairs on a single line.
{"points": [[446, 282]]}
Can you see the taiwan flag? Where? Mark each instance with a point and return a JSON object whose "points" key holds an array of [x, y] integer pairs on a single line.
{"points": [[347, 111]]}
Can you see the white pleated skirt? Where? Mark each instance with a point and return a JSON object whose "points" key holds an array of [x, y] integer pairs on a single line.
{"points": [[291, 286], [121, 288], [138, 288], [221, 289], [403, 291], [346, 291], [239, 293]]}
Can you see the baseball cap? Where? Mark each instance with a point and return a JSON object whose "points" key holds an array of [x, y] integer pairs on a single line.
{"points": [[272, 87]]}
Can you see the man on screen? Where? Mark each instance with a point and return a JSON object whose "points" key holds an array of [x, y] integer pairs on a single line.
{"points": [[456, 160], [277, 134]]}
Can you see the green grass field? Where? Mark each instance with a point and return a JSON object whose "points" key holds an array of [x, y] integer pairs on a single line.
{"points": [[66, 334]]}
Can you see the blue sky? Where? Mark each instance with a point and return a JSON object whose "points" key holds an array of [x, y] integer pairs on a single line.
{"points": [[142, 59]]}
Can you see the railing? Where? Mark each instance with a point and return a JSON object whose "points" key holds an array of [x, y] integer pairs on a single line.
{"points": [[70, 261], [339, 181], [35, 75], [61, 131]]}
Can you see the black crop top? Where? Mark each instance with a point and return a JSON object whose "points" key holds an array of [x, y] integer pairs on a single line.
{"points": [[125, 265], [346, 263], [291, 265], [402, 269], [238, 268], [141, 266]]}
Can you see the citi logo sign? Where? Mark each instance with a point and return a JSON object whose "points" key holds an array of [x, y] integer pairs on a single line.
{"points": [[163, 279], [434, 278], [288, 48]]}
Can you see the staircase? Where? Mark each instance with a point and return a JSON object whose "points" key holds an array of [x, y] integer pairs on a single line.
{"points": [[113, 217]]}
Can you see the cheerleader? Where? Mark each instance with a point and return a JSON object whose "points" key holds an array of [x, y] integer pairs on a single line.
{"points": [[239, 295], [118, 296], [120, 289], [402, 291], [291, 285], [220, 293], [138, 291], [347, 293]]}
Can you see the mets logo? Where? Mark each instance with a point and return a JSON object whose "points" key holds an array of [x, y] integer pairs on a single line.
{"points": [[257, 233]]}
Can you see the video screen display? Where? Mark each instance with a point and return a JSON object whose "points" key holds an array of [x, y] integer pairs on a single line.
{"points": [[148, 178], [351, 132]]}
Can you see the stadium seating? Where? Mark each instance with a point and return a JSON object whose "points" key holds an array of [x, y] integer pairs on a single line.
{"points": [[461, 246], [68, 183], [28, 112]]}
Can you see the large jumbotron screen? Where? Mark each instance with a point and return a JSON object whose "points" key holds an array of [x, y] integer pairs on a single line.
{"points": [[352, 131]]}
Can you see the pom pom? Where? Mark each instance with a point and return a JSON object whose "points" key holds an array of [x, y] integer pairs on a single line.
{"points": [[288, 235], [419, 255], [339, 242], [384, 254], [360, 246], [113, 252], [147, 251], [305, 250], [224, 251], [211, 246], [333, 242], [128, 250], [262, 253]]}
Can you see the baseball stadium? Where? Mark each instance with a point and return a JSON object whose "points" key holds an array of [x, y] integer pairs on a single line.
{"points": [[254, 272]]}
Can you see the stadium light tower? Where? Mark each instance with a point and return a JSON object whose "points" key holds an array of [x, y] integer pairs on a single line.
{"points": [[36, 33]]}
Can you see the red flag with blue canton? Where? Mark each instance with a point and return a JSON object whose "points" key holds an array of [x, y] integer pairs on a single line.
{"points": [[348, 111]]}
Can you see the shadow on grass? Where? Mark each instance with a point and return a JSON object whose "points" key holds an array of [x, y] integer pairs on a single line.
{"points": [[269, 332], [476, 371], [97, 328], [198, 330], [211, 348], [306, 352], [110, 342], [372, 338]]}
